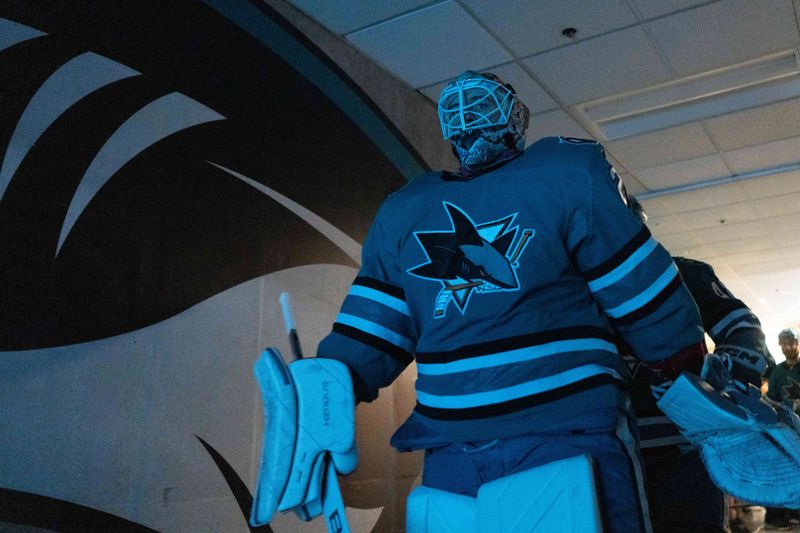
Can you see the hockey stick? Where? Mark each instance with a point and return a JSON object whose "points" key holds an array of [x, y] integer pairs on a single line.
{"points": [[332, 504], [288, 321]]}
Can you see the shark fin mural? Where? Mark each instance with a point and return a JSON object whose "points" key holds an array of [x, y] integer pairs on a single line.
{"points": [[166, 170]]}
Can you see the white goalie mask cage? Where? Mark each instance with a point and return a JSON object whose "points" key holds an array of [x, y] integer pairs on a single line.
{"points": [[482, 118], [474, 101]]}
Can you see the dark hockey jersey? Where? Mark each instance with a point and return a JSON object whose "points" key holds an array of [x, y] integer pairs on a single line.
{"points": [[504, 288], [729, 323]]}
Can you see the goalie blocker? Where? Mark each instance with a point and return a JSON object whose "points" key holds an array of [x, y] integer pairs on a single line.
{"points": [[309, 437]]}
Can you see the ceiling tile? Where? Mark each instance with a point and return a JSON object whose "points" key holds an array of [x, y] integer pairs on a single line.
{"points": [[530, 92], [344, 16], [724, 33], [764, 156], [760, 268], [756, 126], [783, 304], [602, 66], [632, 185], [769, 282], [666, 225], [661, 147], [528, 30], [772, 285], [656, 207], [716, 216], [774, 185], [433, 91], [784, 230], [683, 172], [732, 232], [657, 8], [678, 243], [698, 253], [429, 45], [785, 204], [789, 252], [618, 167], [729, 277], [554, 123], [754, 244], [705, 198], [750, 258]]}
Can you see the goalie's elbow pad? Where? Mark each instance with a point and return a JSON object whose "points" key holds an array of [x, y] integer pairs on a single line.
{"points": [[310, 415], [689, 359]]}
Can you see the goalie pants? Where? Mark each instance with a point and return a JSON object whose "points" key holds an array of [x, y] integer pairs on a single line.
{"points": [[682, 496], [463, 467]]}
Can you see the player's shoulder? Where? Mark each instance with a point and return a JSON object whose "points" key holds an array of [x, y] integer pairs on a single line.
{"points": [[565, 150], [687, 264], [404, 196], [570, 162]]}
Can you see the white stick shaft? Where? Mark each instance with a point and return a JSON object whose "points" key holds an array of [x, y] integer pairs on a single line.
{"points": [[288, 321]]}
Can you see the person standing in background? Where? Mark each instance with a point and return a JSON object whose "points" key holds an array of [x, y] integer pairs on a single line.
{"points": [[784, 382], [784, 388], [682, 497]]}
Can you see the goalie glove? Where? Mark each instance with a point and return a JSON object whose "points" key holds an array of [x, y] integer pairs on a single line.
{"points": [[750, 451]]}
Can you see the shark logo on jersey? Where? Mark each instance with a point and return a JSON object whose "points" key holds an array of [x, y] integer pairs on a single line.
{"points": [[470, 258], [792, 389]]}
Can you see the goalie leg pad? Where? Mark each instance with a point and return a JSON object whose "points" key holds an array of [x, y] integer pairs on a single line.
{"points": [[558, 496], [432, 510], [310, 413]]}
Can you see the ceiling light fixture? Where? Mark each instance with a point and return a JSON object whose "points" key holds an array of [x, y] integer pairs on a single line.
{"points": [[755, 83]]}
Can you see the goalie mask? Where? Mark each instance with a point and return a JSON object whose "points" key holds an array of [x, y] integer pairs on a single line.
{"points": [[482, 117]]}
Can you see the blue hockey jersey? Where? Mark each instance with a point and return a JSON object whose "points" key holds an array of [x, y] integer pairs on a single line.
{"points": [[504, 288]]}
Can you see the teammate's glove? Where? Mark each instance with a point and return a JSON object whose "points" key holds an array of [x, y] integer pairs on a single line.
{"points": [[746, 366], [717, 372]]}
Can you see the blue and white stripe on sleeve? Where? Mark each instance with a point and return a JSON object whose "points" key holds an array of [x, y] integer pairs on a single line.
{"points": [[375, 313], [635, 281]]}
